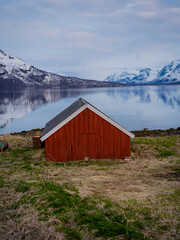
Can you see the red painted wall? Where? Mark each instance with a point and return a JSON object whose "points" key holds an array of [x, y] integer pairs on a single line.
{"points": [[87, 135]]}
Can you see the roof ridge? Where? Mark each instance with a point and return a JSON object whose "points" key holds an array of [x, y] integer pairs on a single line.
{"points": [[83, 100]]}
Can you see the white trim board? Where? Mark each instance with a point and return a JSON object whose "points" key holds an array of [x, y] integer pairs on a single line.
{"points": [[79, 111]]}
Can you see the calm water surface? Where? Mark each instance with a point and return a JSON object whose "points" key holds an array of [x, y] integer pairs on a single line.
{"points": [[136, 107]]}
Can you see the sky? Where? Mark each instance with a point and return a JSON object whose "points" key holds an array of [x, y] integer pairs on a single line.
{"points": [[91, 39]]}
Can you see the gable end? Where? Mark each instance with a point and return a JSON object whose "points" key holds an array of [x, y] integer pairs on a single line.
{"points": [[95, 110]]}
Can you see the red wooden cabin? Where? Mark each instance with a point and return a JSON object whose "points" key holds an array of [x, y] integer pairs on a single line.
{"points": [[80, 131]]}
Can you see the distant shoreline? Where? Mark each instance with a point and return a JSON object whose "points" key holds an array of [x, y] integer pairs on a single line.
{"points": [[138, 133], [157, 132], [111, 85]]}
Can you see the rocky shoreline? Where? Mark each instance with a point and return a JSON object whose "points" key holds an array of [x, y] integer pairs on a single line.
{"points": [[157, 132], [138, 133]]}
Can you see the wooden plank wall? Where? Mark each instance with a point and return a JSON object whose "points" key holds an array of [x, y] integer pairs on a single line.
{"points": [[87, 135]]}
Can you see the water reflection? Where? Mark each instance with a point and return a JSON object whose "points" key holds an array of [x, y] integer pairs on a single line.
{"points": [[169, 95], [122, 103], [14, 105]]}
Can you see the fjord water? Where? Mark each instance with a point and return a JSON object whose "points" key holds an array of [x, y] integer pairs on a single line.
{"points": [[134, 107]]}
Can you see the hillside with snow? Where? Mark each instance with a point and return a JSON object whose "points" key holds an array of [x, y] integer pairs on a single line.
{"points": [[16, 74], [170, 74]]}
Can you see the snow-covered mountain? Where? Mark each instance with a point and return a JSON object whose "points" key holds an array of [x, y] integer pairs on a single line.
{"points": [[16, 74], [133, 76], [170, 74]]}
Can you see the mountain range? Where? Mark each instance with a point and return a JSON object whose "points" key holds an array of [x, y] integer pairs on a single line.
{"points": [[169, 74], [16, 74]]}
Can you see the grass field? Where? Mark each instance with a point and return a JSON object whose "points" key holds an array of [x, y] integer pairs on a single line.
{"points": [[99, 199]]}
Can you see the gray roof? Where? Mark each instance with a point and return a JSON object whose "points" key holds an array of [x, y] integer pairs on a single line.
{"points": [[63, 115]]}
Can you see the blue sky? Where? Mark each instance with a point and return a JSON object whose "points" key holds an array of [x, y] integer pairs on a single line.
{"points": [[91, 39]]}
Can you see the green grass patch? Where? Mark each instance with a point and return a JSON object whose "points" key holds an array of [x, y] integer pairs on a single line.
{"points": [[1, 181], [83, 212], [108, 224], [70, 232], [23, 186], [164, 152], [101, 220], [163, 146]]}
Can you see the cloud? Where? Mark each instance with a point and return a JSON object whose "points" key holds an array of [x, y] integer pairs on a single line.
{"points": [[81, 37]]}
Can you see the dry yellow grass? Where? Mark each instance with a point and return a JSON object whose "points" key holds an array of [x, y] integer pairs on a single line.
{"points": [[150, 182]]}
